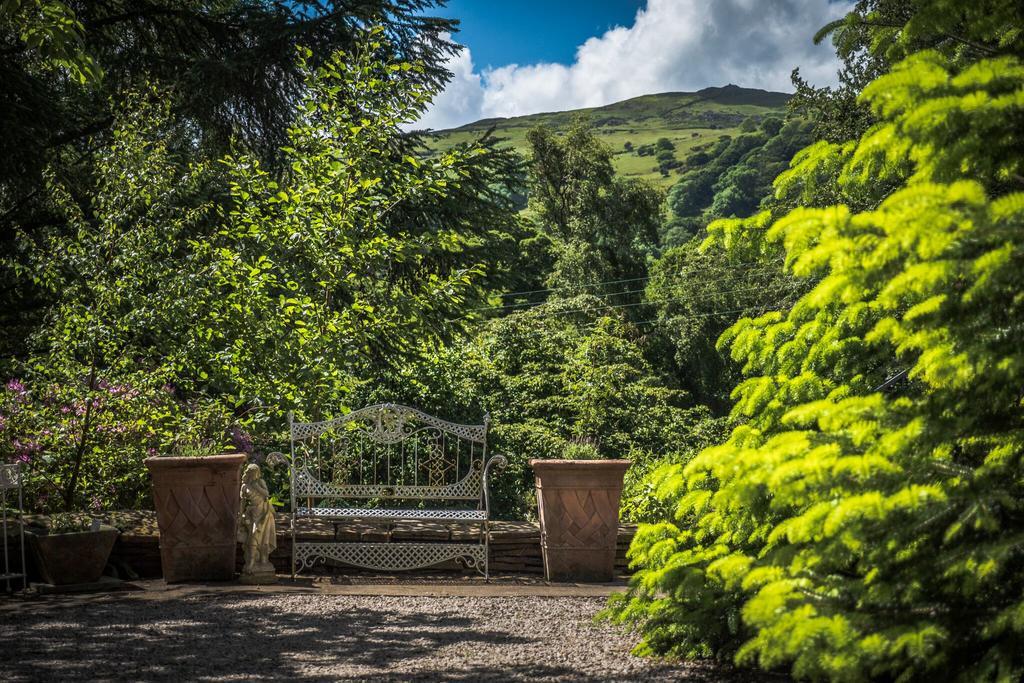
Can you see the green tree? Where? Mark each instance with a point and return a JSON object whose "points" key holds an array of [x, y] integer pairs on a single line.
{"points": [[698, 294], [278, 298], [732, 178], [96, 391], [864, 518], [600, 227], [875, 34], [228, 68], [315, 258], [230, 64], [570, 369]]}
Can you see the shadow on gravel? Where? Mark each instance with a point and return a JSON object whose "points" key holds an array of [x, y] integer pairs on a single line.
{"points": [[238, 636], [216, 637]]}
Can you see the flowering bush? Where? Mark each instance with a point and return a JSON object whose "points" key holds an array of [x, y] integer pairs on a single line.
{"points": [[83, 445]]}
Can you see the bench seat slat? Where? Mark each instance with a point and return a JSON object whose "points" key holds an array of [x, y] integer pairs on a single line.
{"points": [[393, 514]]}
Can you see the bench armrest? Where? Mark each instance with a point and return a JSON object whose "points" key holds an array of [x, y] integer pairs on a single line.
{"points": [[499, 462]]}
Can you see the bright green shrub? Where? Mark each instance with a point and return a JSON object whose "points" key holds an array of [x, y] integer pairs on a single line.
{"points": [[852, 528]]}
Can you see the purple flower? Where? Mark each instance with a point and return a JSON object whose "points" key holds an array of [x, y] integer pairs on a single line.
{"points": [[152, 452], [24, 450], [18, 389], [242, 441]]}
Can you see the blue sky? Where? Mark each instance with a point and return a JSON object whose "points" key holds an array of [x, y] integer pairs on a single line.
{"points": [[529, 31], [531, 56]]}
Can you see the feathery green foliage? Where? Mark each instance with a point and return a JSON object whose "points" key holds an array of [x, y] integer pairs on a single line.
{"points": [[853, 528]]}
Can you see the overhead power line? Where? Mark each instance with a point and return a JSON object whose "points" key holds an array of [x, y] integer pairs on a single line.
{"points": [[697, 300], [615, 282], [892, 380], [652, 302], [572, 287], [532, 304]]}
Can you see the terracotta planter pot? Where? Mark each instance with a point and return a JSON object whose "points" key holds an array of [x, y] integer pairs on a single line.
{"points": [[67, 559], [197, 512], [578, 504]]}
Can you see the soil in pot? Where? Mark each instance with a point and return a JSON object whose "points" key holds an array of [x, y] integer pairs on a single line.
{"points": [[197, 512], [578, 506]]}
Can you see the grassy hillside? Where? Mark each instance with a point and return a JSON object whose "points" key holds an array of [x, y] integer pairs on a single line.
{"points": [[687, 119]]}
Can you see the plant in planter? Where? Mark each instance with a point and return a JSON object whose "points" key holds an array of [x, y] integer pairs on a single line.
{"points": [[195, 490], [72, 549], [578, 505]]}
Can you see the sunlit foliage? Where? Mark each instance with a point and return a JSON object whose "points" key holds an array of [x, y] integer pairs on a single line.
{"points": [[864, 519]]}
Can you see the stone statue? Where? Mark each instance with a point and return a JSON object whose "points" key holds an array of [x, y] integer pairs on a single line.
{"points": [[257, 529]]}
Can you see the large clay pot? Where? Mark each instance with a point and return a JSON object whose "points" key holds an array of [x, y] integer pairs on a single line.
{"points": [[73, 558], [197, 511], [578, 503]]}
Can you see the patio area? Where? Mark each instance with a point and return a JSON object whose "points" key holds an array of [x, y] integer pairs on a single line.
{"points": [[432, 628]]}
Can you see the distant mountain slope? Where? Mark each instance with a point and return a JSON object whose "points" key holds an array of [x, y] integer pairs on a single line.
{"points": [[686, 119]]}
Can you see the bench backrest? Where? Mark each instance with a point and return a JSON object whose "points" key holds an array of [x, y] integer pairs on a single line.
{"points": [[388, 451]]}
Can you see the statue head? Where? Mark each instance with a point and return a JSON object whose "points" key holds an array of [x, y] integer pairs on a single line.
{"points": [[252, 472]]}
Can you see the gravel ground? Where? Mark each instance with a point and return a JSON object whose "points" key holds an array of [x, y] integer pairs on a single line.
{"points": [[244, 636]]}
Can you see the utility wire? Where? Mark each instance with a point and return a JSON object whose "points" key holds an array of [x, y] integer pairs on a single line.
{"points": [[603, 307], [528, 304], [615, 282], [541, 303], [892, 380], [698, 315], [570, 287], [643, 303]]}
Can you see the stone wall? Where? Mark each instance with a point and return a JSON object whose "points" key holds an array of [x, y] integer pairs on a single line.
{"points": [[514, 547]]}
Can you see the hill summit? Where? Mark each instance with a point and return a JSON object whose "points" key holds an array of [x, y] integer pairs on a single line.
{"points": [[633, 127]]}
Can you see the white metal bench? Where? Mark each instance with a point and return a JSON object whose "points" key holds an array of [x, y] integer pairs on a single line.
{"points": [[390, 463]]}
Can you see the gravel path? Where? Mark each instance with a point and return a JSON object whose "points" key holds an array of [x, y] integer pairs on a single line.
{"points": [[244, 636]]}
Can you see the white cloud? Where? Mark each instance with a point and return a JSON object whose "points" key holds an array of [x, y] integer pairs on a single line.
{"points": [[673, 45], [463, 96]]}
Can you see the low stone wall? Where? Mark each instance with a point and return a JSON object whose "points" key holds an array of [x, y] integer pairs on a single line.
{"points": [[514, 546]]}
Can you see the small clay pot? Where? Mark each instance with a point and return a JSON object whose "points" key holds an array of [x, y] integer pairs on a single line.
{"points": [[578, 505], [73, 558], [197, 512]]}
